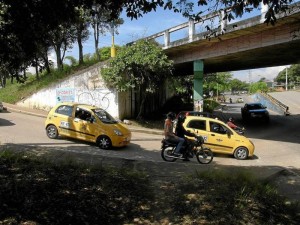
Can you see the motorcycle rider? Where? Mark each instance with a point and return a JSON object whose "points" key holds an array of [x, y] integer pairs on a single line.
{"points": [[181, 132], [170, 136], [231, 124]]}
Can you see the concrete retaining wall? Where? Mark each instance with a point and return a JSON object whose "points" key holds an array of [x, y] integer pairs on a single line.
{"points": [[88, 87], [263, 99]]}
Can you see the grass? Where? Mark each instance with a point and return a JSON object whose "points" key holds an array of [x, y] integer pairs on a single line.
{"points": [[14, 92], [39, 191]]}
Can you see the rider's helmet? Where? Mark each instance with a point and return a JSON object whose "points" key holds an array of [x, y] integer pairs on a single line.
{"points": [[181, 118], [231, 119], [171, 115]]}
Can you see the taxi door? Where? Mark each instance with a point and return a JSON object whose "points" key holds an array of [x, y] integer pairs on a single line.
{"points": [[199, 127], [83, 127], [219, 139], [62, 118]]}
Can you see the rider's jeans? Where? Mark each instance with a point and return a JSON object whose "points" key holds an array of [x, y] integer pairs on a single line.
{"points": [[179, 145]]}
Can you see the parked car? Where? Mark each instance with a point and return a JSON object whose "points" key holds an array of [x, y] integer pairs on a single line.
{"points": [[255, 111], [220, 137], [88, 123], [1, 107], [239, 100]]}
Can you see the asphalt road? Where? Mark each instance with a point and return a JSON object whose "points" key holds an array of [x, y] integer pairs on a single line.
{"points": [[277, 144]]}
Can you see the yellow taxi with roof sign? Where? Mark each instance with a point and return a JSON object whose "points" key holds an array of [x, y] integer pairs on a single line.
{"points": [[88, 123], [219, 137]]}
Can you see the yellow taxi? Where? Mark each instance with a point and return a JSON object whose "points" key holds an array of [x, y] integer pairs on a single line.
{"points": [[88, 123], [219, 137]]}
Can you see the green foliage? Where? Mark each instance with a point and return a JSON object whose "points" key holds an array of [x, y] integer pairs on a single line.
{"points": [[258, 86], [141, 65], [72, 60], [238, 85], [105, 52], [217, 82], [209, 105], [15, 92], [293, 74], [206, 196], [32, 187]]}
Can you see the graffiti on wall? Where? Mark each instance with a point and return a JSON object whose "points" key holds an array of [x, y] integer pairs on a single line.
{"points": [[99, 98]]}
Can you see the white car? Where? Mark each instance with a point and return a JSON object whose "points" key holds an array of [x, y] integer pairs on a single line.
{"points": [[240, 100], [1, 106]]}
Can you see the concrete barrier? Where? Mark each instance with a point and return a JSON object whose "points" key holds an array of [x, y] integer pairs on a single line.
{"points": [[271, 103]]}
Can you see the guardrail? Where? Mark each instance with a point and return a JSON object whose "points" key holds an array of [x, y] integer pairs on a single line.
{"points": [[210, 25], [284, 107]]}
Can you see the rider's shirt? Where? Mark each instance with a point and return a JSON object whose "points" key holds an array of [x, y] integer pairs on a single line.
{"points": [[231, 125], [168, 128]]}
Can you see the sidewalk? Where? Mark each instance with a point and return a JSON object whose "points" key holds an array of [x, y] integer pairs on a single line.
{"points": [[286, 181]]}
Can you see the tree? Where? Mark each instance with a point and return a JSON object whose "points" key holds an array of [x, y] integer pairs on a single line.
{"points": [[293, 74], [142, 66], [258, 86], [81, 30], [237, 85], [26, 25], [62, 39], [101, 23], [217, 82]]}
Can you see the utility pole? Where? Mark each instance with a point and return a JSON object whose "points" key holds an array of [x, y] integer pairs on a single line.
{"points": [[286, 79], [113, 49]]}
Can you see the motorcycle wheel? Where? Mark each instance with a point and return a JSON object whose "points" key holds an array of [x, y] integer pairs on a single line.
{"points": [[204, 156], [166, 154]]}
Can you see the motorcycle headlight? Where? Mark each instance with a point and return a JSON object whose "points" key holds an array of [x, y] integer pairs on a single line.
{"points": [[117, 132]]}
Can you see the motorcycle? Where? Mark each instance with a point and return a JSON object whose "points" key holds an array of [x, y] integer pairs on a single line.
{"points": [[190, 149], [240, 131]]}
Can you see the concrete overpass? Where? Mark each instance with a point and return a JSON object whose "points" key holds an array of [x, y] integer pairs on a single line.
{"points": [[247, 44]]}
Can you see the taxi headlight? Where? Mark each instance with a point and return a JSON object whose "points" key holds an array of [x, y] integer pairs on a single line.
{"points": [[117, 132]]}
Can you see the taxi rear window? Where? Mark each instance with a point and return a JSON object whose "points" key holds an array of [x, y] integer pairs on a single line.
{"points": [[64, 110], [197, 124]]}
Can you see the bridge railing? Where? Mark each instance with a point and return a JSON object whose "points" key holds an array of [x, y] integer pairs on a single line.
{"points": [[213, 22], [282, 106], [210, 25]]}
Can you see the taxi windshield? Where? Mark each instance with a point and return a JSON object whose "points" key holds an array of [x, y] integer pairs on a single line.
{"points": [[104, 116]]}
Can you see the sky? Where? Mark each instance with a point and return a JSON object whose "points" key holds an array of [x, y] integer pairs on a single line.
{"points": [[158, 21]]}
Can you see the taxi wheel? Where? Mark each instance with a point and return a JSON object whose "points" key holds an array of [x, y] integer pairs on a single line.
{"points": [[241, 153], [52, 132], [104, 142]]}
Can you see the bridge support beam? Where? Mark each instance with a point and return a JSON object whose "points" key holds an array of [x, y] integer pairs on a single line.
{"points": [[198, 85]]}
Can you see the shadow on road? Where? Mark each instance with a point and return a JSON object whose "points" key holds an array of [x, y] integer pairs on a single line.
{"points": [[4, 122], [285, 180]]}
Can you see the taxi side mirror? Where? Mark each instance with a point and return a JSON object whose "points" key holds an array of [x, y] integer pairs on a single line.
{"points": [[229, 133]]}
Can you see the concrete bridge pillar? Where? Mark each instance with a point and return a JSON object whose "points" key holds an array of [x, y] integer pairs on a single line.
{"points": [[198, 85]]}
